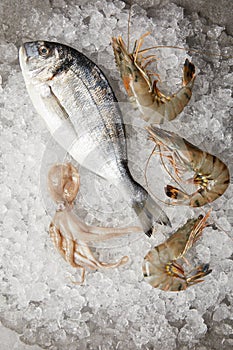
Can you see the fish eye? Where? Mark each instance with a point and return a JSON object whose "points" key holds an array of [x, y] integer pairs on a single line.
{"points": [[43, 51]]}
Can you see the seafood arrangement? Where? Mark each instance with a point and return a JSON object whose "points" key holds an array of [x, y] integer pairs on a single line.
{"points": [[80, 109]]}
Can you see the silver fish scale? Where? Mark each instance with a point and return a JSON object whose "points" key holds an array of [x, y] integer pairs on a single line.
{"points": [[84, 100], [100, 93]]}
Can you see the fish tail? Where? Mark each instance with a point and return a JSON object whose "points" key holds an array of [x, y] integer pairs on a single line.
{"points": [[150, 212]]}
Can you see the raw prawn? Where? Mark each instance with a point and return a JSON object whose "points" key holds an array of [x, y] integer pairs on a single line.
{"points": [[152, 103], [211, 175], [160, 267], [68, 233]]}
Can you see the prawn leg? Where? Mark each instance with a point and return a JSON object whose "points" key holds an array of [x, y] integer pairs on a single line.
{"points": [[200, 272]]}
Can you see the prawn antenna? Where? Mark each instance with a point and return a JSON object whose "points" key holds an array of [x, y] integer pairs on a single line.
{"points": [[200, 52], [169, 173], [129, 19], [166, 169], [146, 179], [217, 226]]}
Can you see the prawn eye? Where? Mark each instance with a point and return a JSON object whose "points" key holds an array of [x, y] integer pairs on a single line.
{"points": [[43, 51]]}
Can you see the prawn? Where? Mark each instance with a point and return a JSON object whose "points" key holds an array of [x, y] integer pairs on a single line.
{"points": [[69, 234], [211, 175], [160, 267], [151, 102]]}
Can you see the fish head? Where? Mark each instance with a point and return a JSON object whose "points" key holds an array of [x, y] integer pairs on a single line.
{"points": [[41, 60]]}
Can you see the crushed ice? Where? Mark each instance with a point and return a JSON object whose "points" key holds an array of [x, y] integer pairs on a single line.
{"points": [[115, 309]]}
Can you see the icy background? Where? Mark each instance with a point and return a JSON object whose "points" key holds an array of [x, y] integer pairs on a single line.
{"points": [[115, 309]]}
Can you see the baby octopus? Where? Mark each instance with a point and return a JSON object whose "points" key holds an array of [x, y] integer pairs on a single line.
{"points": [[69, 234]]}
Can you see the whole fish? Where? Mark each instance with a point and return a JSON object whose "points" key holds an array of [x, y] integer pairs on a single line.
{"points": [[76, 101]]}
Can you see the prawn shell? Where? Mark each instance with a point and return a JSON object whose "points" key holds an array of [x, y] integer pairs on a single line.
{"points": [[211, 175], [160, 267], [142, 91]]}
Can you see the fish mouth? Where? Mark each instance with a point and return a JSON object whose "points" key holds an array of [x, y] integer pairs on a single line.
{"points": [[22, 53], [31, 49], [28, 50], [23, 59]]}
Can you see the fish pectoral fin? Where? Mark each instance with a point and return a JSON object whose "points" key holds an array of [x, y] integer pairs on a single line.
{"points": [[56, 105]]}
